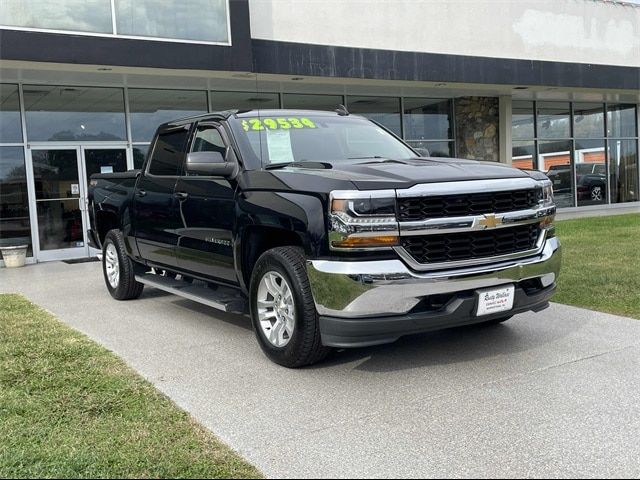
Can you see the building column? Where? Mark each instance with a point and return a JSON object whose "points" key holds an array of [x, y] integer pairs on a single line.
{"points": [[506, 146]]}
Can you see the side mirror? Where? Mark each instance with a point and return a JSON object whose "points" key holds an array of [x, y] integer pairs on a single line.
{"points": [[424, 152], [211, 164]]}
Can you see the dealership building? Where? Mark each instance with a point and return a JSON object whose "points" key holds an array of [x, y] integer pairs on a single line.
{"points": [[552, 85]]}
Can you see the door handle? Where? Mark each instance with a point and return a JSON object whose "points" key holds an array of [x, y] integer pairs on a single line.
{"points": [[181, 195], [141, 193]]}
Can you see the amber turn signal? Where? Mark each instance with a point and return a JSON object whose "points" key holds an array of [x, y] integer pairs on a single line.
{"points": [[366, 242]]}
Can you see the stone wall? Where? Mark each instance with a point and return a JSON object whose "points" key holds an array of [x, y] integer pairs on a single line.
{"points": [[477, 127]]}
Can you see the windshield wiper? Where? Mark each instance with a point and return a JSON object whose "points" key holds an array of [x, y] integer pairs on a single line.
{"points": [[301, 164], [366, 158]]}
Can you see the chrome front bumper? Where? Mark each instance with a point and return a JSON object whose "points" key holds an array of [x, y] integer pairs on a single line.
{"points": [[352, 290]]}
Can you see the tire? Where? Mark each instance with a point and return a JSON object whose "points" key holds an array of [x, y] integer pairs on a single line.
{"points": [[497, 321], [292, 349], [122, 285]]}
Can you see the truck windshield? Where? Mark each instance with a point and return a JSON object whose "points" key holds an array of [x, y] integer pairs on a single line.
{"points": [[275, 140]]}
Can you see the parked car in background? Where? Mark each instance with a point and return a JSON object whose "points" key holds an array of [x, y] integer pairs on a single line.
{"points": [[591, 181]]}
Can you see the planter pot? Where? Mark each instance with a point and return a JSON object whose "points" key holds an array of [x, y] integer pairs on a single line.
{"points": [[14, 256]]}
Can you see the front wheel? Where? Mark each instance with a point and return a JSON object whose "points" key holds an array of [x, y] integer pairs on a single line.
{"points": [[283, 312], [118, 269]]}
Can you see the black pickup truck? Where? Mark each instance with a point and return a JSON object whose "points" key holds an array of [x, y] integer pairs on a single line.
{"points": [[327, 228]]}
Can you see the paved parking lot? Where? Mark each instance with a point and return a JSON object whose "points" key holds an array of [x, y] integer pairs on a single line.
{"points": [[553, 394]]}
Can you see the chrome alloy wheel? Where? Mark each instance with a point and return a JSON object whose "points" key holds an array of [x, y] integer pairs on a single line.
{"points": [[112, 265], [276, 309], [596, 194]]}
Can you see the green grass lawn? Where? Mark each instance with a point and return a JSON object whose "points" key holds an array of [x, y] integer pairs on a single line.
{"points": [[70, 408], [601, 264]]}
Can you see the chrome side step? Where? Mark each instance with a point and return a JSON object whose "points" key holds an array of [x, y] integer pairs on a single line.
{"points": [[222, 298]]}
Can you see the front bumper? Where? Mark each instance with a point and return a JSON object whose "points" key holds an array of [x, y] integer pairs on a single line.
{"points": [[374, 302]]}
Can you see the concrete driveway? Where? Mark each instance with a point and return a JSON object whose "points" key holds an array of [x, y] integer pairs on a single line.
{"points": [[547, 395]]}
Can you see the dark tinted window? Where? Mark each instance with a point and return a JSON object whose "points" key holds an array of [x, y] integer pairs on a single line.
{"points": [[168, 154]]}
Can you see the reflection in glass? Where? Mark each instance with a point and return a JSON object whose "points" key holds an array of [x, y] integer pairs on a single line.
{"points": [[60, 224], [55, 173], [427, 119], [10, 124], [554, 120], [105, 160], [621, 121], [74, 15], [555, 160], [312, 102], [522, 120], [15, 227], [204, 20], [591, 172], [244, 101], [623, 169], [436, 149], [523, 155], [588, 120], [150, 108], [139, 155], [74, 113], [384, 110]]}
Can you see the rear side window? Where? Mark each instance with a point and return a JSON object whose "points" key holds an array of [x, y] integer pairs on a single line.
{"points": [[169, 152]]}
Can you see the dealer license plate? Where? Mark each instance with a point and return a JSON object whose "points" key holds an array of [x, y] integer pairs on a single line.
{"points": [[495, 300]]}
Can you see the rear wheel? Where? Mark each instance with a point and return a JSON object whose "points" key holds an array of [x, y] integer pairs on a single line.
{"points": [[118, 269], [283, 312]]}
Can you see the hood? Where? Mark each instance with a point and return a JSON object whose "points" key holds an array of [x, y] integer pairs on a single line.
{"points": [[374, 174]]}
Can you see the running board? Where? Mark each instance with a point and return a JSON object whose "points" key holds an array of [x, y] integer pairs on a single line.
{"points": [[222, 298]]}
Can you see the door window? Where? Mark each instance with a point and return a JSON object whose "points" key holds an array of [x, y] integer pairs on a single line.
{"points": [[208, 139], [168, 153]]}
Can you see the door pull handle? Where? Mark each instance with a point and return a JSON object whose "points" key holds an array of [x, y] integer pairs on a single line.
{"points": [[181, 195], [141, 193]]}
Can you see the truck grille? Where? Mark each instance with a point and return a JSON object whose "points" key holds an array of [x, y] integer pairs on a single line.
{"points": [[421, 208], [467, 246]]}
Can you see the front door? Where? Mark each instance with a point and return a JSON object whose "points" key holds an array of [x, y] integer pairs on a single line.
{"points": [[61, 180], [60, 203]]}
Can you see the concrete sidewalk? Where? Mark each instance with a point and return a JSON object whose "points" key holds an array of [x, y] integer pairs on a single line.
{"points": [[552, 394]]}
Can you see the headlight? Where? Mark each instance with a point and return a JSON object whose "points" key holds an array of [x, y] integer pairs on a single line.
{"points": [[548, 208], [362, 220]]}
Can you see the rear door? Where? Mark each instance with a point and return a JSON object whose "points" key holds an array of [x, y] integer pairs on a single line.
{"points": [[156, 217], [207, 210]]}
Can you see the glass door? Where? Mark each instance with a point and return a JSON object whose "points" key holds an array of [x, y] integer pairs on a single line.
{"points": [[100, 160], [60, 208]]}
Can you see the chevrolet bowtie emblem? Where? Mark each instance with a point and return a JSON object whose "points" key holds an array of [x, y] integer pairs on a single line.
{"points": [[490, 221]]}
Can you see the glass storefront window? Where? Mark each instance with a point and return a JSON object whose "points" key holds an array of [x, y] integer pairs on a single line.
{"points": [[203, 20], [312, 102], [623, 170], [523, 155], [59, 224], [591, 172], [244, 101], [15, 226], [554, 120], [588, 120], [139, 155], [384, 110], [55, 114], [435, 149], [522, 120], [151, 108], [621, 121], [10, 124], [427, 119], [74, 15], [555, 161]]}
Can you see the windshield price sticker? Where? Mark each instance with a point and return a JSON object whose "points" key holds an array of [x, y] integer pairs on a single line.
{"points": [[257, 124]]}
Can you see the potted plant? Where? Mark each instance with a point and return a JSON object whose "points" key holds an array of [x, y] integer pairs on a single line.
{"points": [[14, 256]]}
